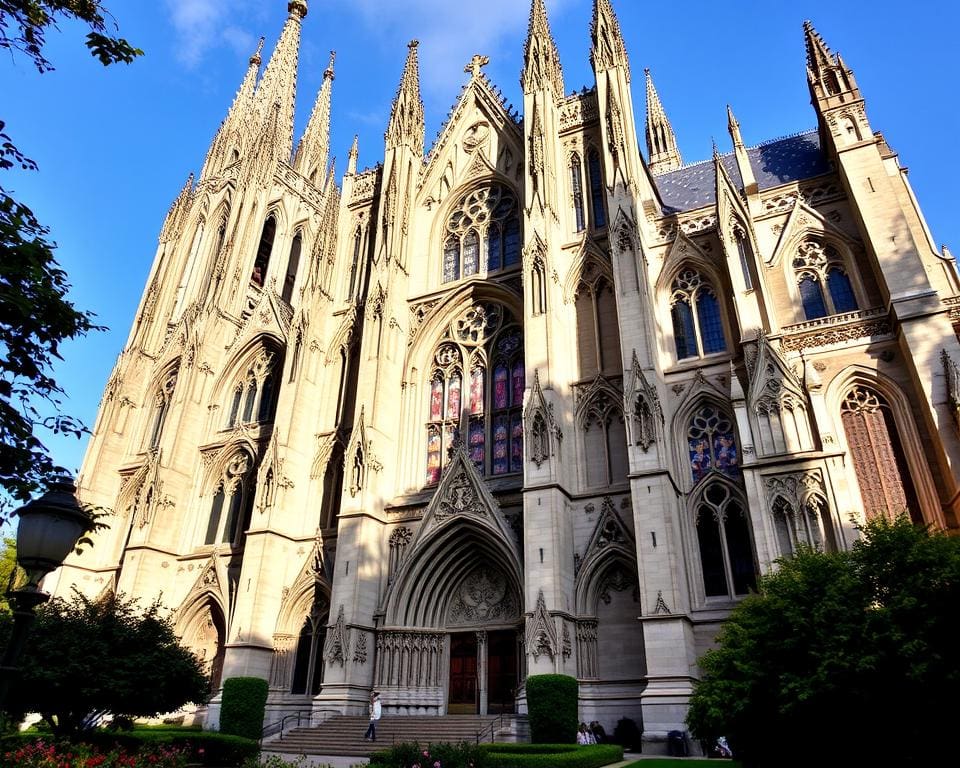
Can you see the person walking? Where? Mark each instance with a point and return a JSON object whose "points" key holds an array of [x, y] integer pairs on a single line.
{"points": [[376, 709]]}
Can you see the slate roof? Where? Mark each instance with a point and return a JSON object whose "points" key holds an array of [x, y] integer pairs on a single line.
{"points": [[777, 162]]}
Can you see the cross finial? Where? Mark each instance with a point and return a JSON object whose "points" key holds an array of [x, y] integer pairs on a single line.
{"points": [[476, 63]]}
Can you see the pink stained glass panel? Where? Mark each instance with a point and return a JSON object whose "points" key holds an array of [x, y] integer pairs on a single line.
{"points": [[516, 443], [436, 400], [477, 439], [501, 458], [433, 455], [476, 391], [453, 397], [519, 383], [501, 397]]}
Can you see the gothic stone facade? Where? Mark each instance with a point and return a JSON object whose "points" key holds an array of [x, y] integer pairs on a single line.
{"points": [[526, 403]]}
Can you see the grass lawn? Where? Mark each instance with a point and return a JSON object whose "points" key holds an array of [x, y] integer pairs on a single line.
{"points": [[669, 762]]}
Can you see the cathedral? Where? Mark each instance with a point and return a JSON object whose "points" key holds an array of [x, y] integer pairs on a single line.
{"points": [[540, 398]]}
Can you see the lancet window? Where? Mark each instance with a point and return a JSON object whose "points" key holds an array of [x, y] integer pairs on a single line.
{"points": [[255, 395], [883, 474], [262, 260], [597, 195], [822, 281], [476, 390], [743, 252], [293, 264], [724, 540], [604, 438], [695, 312], [576, 187], [232, 501], [800, 525], [308, 663], [162, 402], [482, 233], [712, 444]]}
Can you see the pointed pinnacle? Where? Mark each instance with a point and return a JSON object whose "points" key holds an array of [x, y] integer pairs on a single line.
{"points": [[256, 59], [406, 115], [328, 72], [818, 54], [541, 59], [352, 156], [733, 127]]}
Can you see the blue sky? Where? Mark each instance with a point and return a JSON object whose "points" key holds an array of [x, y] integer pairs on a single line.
{"points": [[115, 145]]}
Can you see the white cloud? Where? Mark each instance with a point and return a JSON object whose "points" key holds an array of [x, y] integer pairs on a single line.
{"points": [[449, 32], [197, 24]]}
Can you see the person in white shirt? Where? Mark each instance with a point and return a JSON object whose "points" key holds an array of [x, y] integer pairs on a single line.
{"points": [[376, 709]]}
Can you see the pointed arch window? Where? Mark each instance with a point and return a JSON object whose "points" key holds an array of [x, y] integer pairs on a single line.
{"points": [[880, 464], [254, 397], [261, 261], [355, 262], [189, 268], [308, 663], [712, 444], [695, 313], [476, 390], [802, 525], [604, 439], [597, 201], [293, 264], [162, 403], [744, 254], [232, 501], [822, 281], [576, 188], [482, 233], [724, 539]]}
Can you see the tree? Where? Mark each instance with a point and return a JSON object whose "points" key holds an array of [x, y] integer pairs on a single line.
{"points": [[35, 315], [87, 657], [849, 654]]}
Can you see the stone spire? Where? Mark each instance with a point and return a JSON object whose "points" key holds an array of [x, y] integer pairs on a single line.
{"points": [[314, 148], [743, 158], [176, 216], [352, 156], [541, 60], [277, 90], [232, 125], [661, 143], [607, 49], [827, 75], [406, 117]]}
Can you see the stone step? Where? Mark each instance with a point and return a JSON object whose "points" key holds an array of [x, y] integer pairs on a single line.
{"points": [[343, 734]]}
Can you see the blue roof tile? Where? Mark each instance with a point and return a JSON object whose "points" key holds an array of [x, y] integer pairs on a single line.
{"points": [[774, 163]]}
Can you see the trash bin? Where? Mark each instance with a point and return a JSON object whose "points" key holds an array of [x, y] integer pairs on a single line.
{"points": [[677, 744]]}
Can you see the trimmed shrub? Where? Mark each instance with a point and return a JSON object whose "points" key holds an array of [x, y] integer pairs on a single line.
{"points": [[552, 708], [242, 708], [551, 755], [204, 747], [462, 755]]}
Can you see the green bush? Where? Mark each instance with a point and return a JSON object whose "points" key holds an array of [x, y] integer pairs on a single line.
{"points": [[552, 708], [205, 747], [551, 755], [241, 711], [462, 755]]}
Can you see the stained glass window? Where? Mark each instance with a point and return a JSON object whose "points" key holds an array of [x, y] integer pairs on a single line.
{"points": [[818, 264], [712, 445], [841, 291], [695, 312], [812, 298], [576, 186], [596, 190], [726, 548], [483, 232], [488, 415]]}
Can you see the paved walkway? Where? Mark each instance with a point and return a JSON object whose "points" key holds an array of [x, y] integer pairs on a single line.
{"points": [[339, 761]]}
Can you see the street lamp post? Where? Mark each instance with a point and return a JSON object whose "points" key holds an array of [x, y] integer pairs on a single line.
{"points": [[48, 531]]}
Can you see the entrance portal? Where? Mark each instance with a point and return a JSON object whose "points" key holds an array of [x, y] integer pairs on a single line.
{"points": [[501, 672], [463, 674]]}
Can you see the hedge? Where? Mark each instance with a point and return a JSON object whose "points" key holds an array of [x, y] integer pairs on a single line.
{"points": [[206, 747], [243, 705], [462, 755], [551, 755], [552, 709]]}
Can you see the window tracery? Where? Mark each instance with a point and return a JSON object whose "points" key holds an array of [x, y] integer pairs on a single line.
{"points": [[597, 195], [162, 402], [482, 233], [476, 389], [262, 260], [255, 395], [293, 265], [818, 265], [725, 543], [576, 188], [879, 462], [695, 312], [232, 501], [712, 444]]}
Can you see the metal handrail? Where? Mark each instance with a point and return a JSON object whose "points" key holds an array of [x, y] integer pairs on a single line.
{"points": [[498, 723], [273, 728]]}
